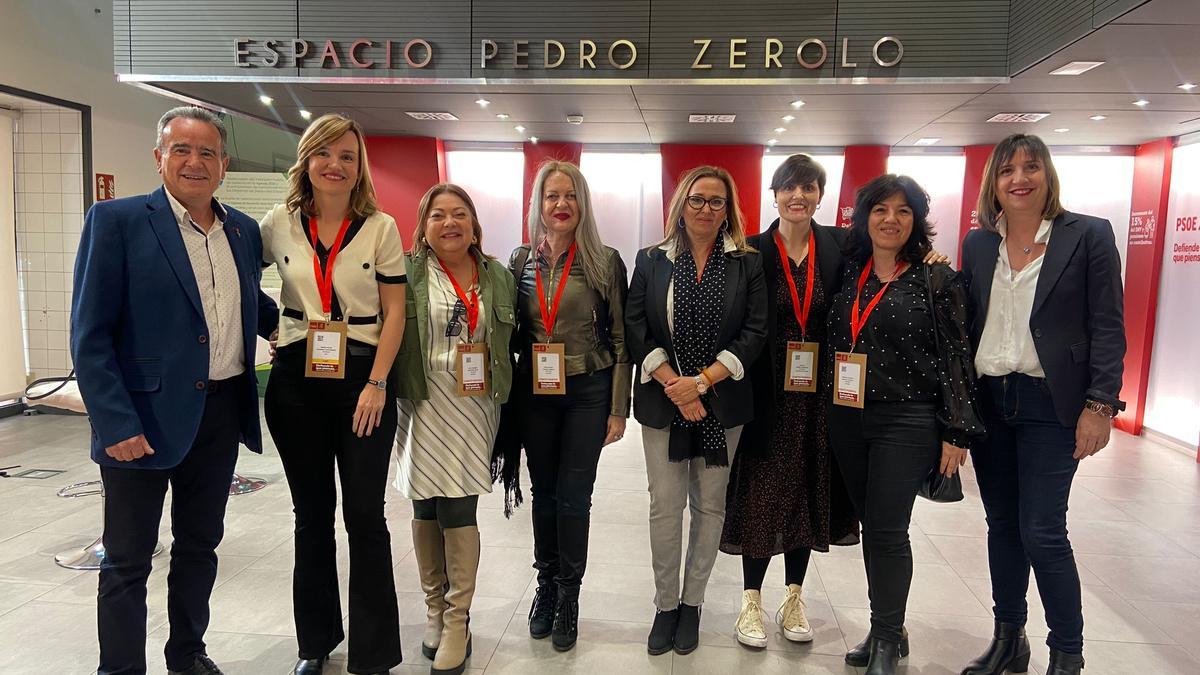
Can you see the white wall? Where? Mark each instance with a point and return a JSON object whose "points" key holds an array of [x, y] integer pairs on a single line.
{"points": [[494, 179], [1173, 399], [627, 199], [1099, 185]]}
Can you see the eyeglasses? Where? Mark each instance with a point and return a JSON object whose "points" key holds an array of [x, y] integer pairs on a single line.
{"points": [[696, 203], [454, 327]]}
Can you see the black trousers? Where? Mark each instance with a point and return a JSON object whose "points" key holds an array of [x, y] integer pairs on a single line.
{"points": [[1025, 468], [132, 512], [310, 420], [885, 452], [563, 436]]}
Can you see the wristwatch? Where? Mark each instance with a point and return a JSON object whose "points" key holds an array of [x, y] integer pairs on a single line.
{"points": [[381, 385], [1102, 409], [701, 387]]}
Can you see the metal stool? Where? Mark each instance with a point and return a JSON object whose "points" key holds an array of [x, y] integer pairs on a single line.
{"points": [[243, 485], [93, 554]]}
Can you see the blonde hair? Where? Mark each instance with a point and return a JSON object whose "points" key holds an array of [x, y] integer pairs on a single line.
{"points": [[988, 208], [325, 130], [420, 245], [588, 247], [735, 227]]}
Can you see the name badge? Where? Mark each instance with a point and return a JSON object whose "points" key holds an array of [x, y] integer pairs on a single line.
{"points": [[548, 362], [471, 369], [326, 350], [801, 373], [850, 379]]}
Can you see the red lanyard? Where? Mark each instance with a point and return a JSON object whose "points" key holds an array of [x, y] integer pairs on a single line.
{"points": [[472, 302], [325, 280], [550, 317], [801, 311], [856, 325]]}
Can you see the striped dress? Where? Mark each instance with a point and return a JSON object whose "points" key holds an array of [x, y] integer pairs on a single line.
{"points": [[444, 444]]}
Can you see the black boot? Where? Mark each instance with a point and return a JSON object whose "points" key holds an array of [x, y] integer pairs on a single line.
{"points": [[662, 633], [860, 655], [1062, 663], [541, 612], [566, 622], [884, 657], [687, 633], [309, 666], [1009, 652]]}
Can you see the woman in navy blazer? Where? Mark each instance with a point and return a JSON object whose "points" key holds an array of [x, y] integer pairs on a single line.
{"points": [[1049, 343]]}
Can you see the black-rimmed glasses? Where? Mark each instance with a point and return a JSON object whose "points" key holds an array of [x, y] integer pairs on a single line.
{"points": [[696, 202]]}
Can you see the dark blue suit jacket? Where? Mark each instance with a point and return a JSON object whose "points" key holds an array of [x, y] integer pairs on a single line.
{"points": [[138, 335], [1077, 321]]}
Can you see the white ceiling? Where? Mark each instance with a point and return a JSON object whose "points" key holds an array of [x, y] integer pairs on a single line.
{"points": [[1148, 52]]}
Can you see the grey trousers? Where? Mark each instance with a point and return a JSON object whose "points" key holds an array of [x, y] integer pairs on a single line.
{"points": [[674, 485]]}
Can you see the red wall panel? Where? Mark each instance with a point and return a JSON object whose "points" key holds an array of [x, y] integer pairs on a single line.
{"points": [[864, 163], [403, 168], [977, 157]]}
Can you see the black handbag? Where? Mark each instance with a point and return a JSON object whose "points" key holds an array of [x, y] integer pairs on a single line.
{"points": [[937, 487]]}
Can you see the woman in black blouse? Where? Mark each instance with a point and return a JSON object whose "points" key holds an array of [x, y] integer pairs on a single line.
{"points": [[912, 403]]}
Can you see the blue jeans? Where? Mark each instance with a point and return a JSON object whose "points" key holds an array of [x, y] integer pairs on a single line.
{"points": [[1024, 469]]}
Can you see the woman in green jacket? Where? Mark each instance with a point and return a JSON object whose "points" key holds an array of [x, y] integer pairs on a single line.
{"points": [[452, 374]]}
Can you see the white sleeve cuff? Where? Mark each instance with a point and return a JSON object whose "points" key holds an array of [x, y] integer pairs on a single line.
{"points": [[653, 360], [732, 364]]}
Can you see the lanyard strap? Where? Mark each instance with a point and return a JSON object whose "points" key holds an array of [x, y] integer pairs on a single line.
{"points": [[471, 302], [856, 325], [800, 310], [549, 317], [325, 280]]}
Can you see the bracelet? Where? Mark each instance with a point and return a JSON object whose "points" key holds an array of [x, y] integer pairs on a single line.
{"points": [[707, 378]]}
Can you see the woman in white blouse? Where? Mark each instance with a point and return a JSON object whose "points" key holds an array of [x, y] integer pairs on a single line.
{"points": [[342, 265]]}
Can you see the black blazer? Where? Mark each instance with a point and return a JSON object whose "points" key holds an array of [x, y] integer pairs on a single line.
{"points": [[762, 372], [1077, 320], [743, 332]]}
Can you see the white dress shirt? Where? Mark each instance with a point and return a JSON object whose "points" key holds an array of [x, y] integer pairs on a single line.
{"points": [[220, 289], [659, 356], [1006, 345]]}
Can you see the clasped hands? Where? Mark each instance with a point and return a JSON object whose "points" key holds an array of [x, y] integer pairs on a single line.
{"points": [[683, 392]]}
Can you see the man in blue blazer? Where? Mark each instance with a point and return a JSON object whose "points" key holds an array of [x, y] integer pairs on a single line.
{"points": [[163, 321]]}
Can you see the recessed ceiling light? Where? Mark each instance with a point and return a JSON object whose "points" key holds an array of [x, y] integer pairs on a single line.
{"points": [[483, 102], [266, 100], [1062, 130], [1076, 67], [788, 118], [927, 141], [501, 116], [1097, 118], [520, 128], [1187, 86], [1141, 103], [533, 139], [780, 130], [797, 104], [771, 141], [306, 114]]}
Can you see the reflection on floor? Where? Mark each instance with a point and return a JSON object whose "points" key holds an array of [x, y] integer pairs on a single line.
{"points": [[1135, 524]]}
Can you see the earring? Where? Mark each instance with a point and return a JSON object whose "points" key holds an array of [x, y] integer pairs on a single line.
{"points": [[774, 205], [725, 226], [681, 224]]}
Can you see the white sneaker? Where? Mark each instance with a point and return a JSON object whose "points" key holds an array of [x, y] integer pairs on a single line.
{"points": [[749, 628], [791, 618]]}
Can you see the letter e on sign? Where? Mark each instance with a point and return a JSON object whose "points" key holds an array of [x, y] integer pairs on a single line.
{"points": [[106, 187]]}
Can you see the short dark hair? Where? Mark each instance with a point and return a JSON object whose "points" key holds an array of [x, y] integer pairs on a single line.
{"points": [[799, 170], [920, 241]]}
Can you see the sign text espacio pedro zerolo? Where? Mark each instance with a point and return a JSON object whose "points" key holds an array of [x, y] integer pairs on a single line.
{"points": [[581, 55]]}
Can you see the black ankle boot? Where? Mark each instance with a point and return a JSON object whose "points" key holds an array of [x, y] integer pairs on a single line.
{"points": [[541, 612], [662, 633], [860, 655], [309, 666], [1062, 663], [566, 623], [687, 633], [1009, 652], [884, 657]]}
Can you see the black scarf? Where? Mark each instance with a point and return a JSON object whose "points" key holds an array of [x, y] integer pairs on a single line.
{"points": [[698, 309]]}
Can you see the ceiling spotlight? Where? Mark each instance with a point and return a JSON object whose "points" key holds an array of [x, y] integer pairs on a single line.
{"points": [[266, 100], [1187, 86], [1076, 68], [797, 104], [788, 118], [771, 141], [780, 130], [927, 141], [520, 128], [501, 116], [1141, 103], [483, 102], [1097, 118], [1062, 130], [533, 139], [306, 114]]}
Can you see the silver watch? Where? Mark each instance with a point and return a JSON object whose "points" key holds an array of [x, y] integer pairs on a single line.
{"points": [[378, 384], [701, 388]]}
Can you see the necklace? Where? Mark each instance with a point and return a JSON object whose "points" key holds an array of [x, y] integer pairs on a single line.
{"points": [[1026, 250]]}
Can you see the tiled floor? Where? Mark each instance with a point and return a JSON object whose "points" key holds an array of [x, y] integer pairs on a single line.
{"points": [[1135, 524]]}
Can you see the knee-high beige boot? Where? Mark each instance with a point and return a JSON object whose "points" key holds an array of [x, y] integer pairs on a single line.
{"points": [[462, 565], [431, 563]]}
